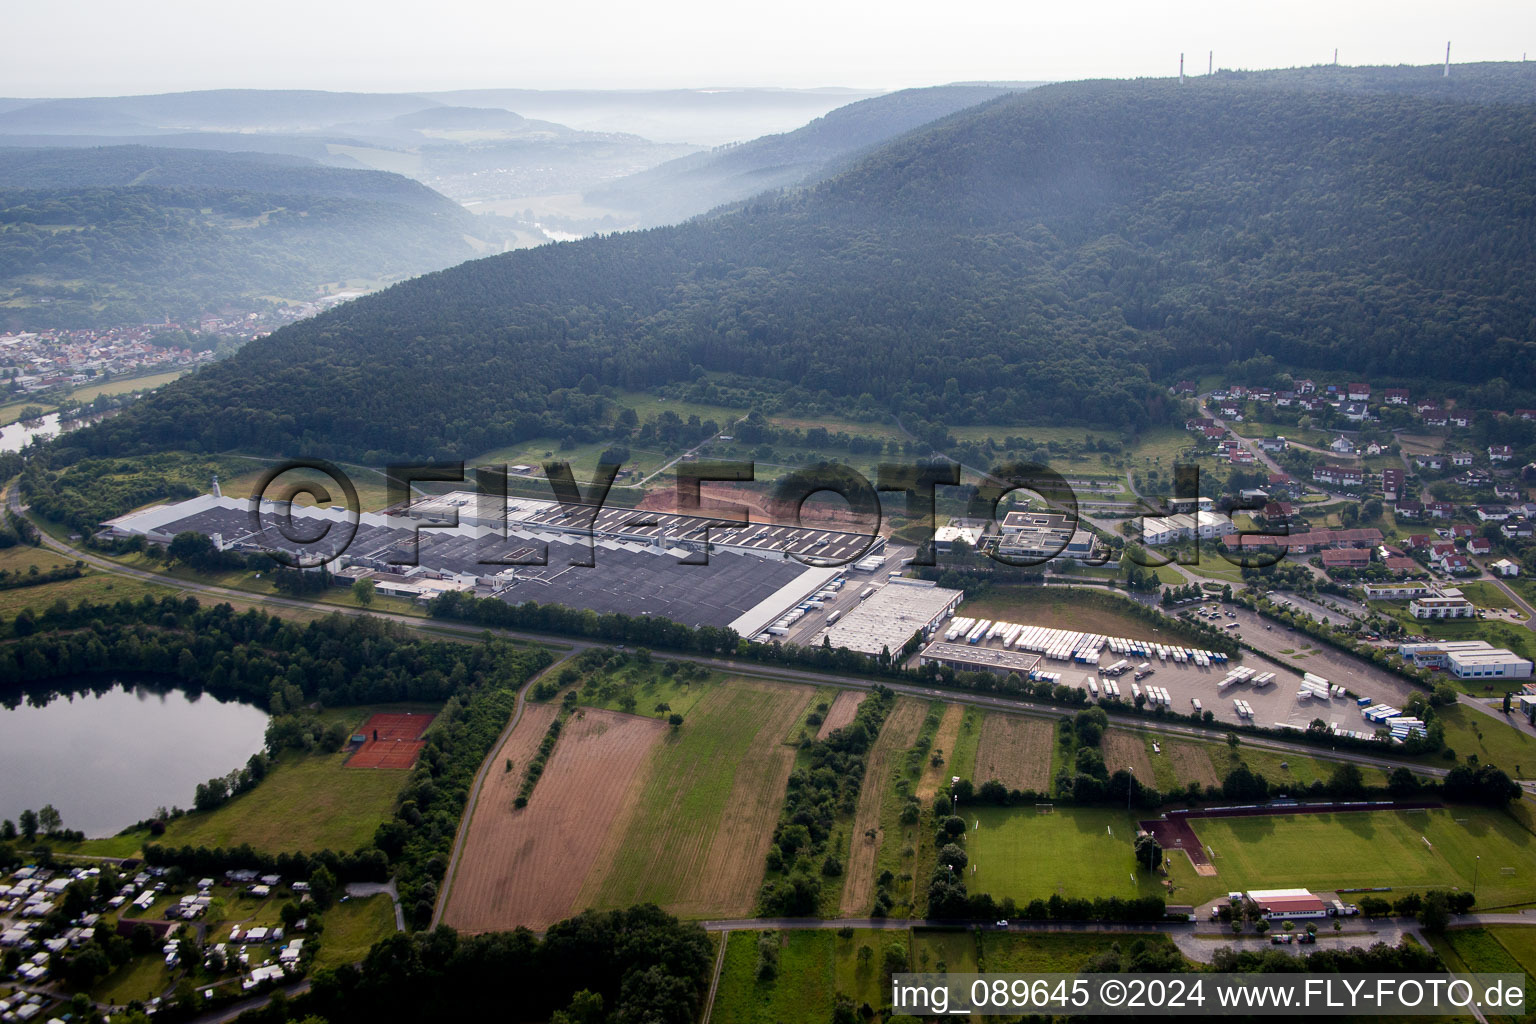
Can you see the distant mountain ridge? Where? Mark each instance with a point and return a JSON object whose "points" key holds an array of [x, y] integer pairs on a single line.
{"points": [[690, 185], [133, 234]]}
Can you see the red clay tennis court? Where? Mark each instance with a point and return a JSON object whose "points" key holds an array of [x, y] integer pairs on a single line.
{"points": [[391, 740]]}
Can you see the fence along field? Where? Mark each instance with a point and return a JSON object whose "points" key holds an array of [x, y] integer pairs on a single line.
{"points": [[695, 838], [526, 867], [1015, 751], [900, 731]]}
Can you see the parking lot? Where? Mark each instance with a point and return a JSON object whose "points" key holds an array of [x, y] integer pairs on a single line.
{"points": [[1275, 703]]}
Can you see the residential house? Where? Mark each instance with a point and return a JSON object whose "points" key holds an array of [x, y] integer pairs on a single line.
{"points": [[1342, 445], [1419, 540], [1456, 564], [1395, 396], [1346, 558], [1305, 387], [1461, 418], [1426, 405], [1504, 567], [1429, 461], [1461, 531], [1408, 509], [1461, 458], [1437, 418], [1359, 392], [1338, 476], [1526, 414], [1185, 387], [1392, 483], [1479, 546], [1500, 453], [1440, 510], [1355, 411], [1493, 513], [1516, 528], [1273, 444], [1400, 566]]}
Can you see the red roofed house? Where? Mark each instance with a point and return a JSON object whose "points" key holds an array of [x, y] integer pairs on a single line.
{"points": [[1391, 483], [1479, 545], [1395, 396], [1338, 476], [1287, 903], [1346, 558], [1500, 453], [1420, 540], [1402, 566]]}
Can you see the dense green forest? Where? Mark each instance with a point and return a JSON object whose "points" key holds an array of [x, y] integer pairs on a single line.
{"points": [[131, 234], [1051, 256]]}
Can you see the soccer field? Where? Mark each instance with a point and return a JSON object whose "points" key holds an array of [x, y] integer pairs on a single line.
{"points": [[1377, 848], [1025, 854]]}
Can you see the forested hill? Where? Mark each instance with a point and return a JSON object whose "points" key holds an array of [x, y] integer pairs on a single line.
{"points": [[134, 234], [694, 184], [1046, 257]]}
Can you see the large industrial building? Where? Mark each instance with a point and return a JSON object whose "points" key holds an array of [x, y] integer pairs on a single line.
{"points": [[633, 562], [890, 616], [1030, 536], [1468, 659]]}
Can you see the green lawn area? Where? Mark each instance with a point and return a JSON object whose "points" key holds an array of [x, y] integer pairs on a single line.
{"points": [[804, 989], [1299, 769], [351, 928], [92, 586], [1026, 854], [648, 686], [962, 760], [1376, 848], [143, 978], [306, 803], [1485, 594], [1470, 732], [1499, 950]]}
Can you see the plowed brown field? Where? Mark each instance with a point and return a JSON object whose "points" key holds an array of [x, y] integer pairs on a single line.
{"points": [[526, 867], [1015, 751]]}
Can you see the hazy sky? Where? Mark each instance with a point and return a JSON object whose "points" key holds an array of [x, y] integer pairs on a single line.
{"points": [[103, 47]]}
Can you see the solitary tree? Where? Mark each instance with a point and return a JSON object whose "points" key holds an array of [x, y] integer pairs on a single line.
{"points": [[1149, 854], [362, 592], [28, 820], [49, 820], [675, 720]]}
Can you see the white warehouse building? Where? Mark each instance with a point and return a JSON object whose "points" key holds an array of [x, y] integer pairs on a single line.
{"points": [[1185, 526], [1468, 659]]}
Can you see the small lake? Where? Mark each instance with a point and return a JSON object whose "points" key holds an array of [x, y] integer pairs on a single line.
{"points": [[108, 761], [16, 436]]}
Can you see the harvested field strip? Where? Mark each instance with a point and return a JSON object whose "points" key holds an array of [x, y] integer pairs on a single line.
{"points": [[1123, 749], [1191, 763], [1015, 751], [944, 743], [901, 729], [695, 840], [526, 867], [841, 712]]}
